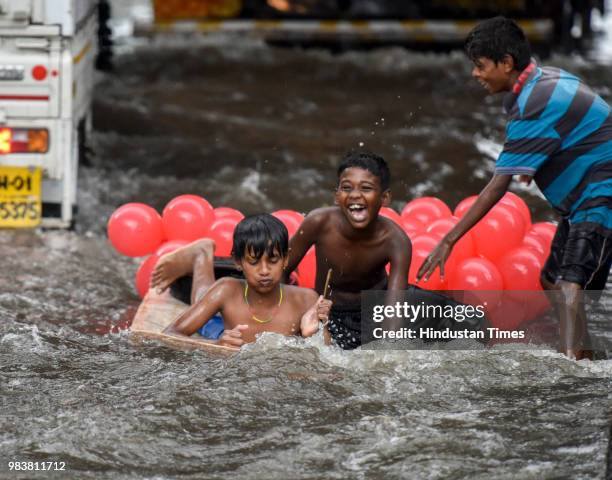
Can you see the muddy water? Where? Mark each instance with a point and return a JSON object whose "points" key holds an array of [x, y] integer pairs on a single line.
{"points": [[259, 129]]}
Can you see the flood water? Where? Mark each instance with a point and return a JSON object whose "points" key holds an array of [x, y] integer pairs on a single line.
{"points": [[259, 129]]}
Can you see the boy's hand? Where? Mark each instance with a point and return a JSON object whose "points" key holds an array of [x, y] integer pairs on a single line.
{"points": [[318, 312], [437, 258], [233, 337]]}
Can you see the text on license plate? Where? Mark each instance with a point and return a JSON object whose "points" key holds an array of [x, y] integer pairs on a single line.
{"points": [[20, 193]]}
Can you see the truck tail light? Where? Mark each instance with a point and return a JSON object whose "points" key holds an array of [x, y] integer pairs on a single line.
{"points": [[24, 140]]}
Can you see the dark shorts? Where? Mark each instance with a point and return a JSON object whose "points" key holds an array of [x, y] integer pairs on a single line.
{"points": [[345, 327], [579, 254]]}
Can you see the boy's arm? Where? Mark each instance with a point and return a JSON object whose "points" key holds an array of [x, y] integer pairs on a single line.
{"points": [[304, 238], [318, 309], [399, 258], [489, 196], [199, 313]]}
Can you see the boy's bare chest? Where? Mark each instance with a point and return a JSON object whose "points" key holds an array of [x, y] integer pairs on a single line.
{"points": [[338, 252], [283, 319]]}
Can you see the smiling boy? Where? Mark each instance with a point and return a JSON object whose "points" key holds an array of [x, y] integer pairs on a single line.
{"points": [[559, 134], [259, 303], [355, 242]]}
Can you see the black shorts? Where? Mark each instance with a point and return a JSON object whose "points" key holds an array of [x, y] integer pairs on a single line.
{"points": [[345, 327], [579, 254]]}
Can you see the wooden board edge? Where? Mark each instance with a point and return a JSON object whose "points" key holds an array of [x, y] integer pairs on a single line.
{"points": [[185, 343]]}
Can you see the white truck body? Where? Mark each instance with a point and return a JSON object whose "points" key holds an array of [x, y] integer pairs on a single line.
{"points": [[47, 52]]}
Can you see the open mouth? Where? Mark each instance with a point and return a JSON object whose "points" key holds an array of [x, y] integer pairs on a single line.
{"points": [[357, 212]]}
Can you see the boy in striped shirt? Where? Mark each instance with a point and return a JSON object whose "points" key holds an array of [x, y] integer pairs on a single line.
{"points": [[559, 134]]}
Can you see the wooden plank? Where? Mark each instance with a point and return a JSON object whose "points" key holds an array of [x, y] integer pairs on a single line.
{"points": [[156, 312]]}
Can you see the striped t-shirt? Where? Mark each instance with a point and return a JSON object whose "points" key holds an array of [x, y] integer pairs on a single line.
{"points": [[560, 132]]}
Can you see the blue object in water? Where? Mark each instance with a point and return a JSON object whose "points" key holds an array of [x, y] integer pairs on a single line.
{"points": [[213, 329]]}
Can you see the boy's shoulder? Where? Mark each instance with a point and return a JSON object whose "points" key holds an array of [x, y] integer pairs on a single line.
{"points": [[394, 231], [305, 297], [228, 285], [323, 214]]}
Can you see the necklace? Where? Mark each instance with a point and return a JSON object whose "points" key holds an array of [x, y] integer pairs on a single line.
{"points": [[259, 320]]}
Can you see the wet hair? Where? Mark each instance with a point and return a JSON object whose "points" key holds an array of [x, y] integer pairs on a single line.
{"points": [[259, 234], [374, 164], [497, 37]]}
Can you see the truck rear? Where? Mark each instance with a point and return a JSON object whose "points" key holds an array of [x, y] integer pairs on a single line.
{"points": [[47, 52]]}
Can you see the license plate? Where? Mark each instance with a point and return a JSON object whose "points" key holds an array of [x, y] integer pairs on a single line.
{"points": [[20, 204]]}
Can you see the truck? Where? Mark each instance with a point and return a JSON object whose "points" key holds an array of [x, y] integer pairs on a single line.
{"points": [[47, 57]]}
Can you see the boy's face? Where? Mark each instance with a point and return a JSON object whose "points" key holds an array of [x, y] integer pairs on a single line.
{"points": [[495, 77], [265, 273], [360, 196]]}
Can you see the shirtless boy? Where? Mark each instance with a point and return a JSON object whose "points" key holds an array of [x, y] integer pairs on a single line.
{"points": [[259, 303], [356, 243]]}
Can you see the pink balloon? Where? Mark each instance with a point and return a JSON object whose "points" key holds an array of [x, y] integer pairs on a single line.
{"points": [[537, 244], [546, 230], [170, 246], [510, 314], [517, 202], [135, 229], [426, 210], [412, 227], [221, 212], [391, 215], [520, 270], [498, 232], [464, 248], [291, 219], [481, 281], [464, 205], [509, 199], [187, 217], [422, 246], [222, 232], [307, 269], [143, 275]]}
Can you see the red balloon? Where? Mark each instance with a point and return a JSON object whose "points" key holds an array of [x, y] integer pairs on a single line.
{"points": [[422, 246], [546, 230], [499, 231], [464, 205], [537, 244], [170, 246], [517, 202], [426, 210], [222, 232], [135, 229], [510, 314], [291, 219], [480, 280], [187, 217], [391, 215], [464, 248], [221, 212], [520, 270], [412, 227], [307, 269], [143, 275]]}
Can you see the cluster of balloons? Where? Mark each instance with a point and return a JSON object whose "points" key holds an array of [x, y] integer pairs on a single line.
{"points": [[501, 254], [138, 230]]}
